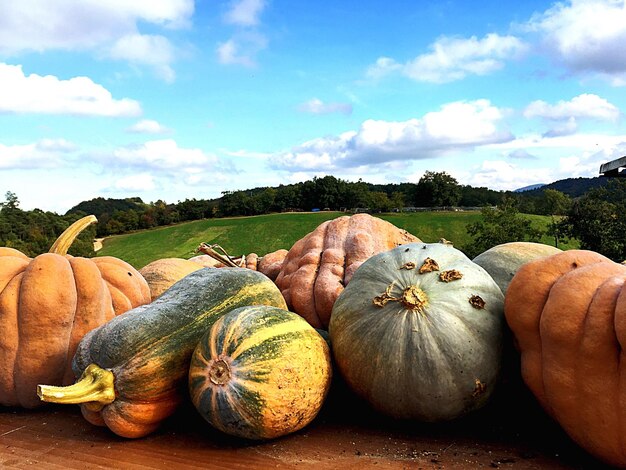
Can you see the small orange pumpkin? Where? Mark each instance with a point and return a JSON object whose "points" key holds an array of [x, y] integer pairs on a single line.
{"points": [[48, 303], [568, 315]]}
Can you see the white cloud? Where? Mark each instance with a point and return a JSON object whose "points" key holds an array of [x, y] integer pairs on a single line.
{"points": [[146, 49], [50, 95], [582, 106], [457, 125], [140, 182], [40, 25], [162, 155], [93, 25], [505, 175], [244, 12], [46, 153], [453, 59], [241, 49], [148, 126], [586, 36], [317, 106]]}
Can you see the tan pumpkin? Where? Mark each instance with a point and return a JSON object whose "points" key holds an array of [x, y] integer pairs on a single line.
{"points": [[320, 265], [161, 274], [48, 303], [568, 315]]}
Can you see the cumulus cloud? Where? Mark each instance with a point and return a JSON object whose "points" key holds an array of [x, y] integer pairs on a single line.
{"points": [[582, 106], [146, 49], [94, 25], [521, 154], [241, 49], [244, 12], [317, 106], [456, 125], [452, 59], [135, 183], [46, 153], [148, 126], [586, 36], [48, 94], [506, 175], [162, 154]]}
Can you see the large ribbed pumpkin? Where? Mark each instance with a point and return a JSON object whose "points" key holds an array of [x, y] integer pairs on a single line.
{"points": [[48, 303], [260, 372], [319, 265], [161, 274], [418, 332], [568, 315]]}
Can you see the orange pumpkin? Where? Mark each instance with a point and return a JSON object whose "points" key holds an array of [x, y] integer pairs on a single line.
{"points": [[568, 315], [320, 265], [48, 303]]}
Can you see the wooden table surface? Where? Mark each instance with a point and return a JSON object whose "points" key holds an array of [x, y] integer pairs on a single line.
{"points": [[345, 435]]}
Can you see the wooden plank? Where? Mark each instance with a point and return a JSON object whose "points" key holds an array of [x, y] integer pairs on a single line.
{"points": [[515, 435]]}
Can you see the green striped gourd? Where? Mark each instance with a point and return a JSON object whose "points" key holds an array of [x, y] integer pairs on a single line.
{"points": [[134, 368], [261, 372]]}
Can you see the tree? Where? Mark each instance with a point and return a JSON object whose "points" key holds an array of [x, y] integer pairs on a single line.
{"points": [[598, 220], [500, 225], [437, 189], [11, 201], [555, 204]]}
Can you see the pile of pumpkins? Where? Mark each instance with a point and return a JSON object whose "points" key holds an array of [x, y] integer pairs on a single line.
{"points": [[416, 329]]}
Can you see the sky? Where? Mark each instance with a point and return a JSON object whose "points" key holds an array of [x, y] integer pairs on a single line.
{"points": [[178, 99]]}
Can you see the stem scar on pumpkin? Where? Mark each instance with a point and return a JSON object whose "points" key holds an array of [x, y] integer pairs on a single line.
{"points": [[450, 275], [477, 302], [479, 388], [413, 298], [408, 265], [429, 266]]}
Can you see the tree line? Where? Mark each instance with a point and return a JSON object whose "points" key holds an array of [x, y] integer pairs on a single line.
{"points": [[597, 218]]}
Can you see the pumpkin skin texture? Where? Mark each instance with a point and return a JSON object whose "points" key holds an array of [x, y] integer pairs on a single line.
{"points": [[319, 265], [134, 368], [568, 315], [260, 373], [416, 339], [161, 274], [503, 261], [48, 303]]}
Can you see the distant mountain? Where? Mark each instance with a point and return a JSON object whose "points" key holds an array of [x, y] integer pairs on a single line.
{"points": [[573, 187], [529, 188], [99, 206]]}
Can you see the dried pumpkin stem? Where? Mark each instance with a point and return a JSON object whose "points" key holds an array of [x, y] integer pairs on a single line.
{"points": [[224, 258], [95, 387], [65, 240]]}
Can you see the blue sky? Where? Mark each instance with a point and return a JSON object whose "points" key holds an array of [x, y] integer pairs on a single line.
{"points": [[176, 99]]}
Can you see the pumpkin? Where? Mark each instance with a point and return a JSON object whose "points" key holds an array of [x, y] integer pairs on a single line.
{"points": [[48, 303], [161, 274], [568, 315], [418, 333], [319, 265], [268, 264], [503, 261], [133, 369], [260, 372]]}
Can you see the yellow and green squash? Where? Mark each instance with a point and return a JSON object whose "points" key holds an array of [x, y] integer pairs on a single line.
{"points": [[133, 369], [261, 372]]}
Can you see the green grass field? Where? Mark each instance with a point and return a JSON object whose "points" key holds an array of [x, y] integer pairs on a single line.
{"points": [[265, 233]]}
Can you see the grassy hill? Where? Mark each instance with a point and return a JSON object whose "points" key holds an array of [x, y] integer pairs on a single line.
{"points": [[265, 233]]}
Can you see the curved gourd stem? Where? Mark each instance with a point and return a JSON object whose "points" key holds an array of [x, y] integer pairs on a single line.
{"points": [[65, 240], [224, 258], [95, 387]]}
